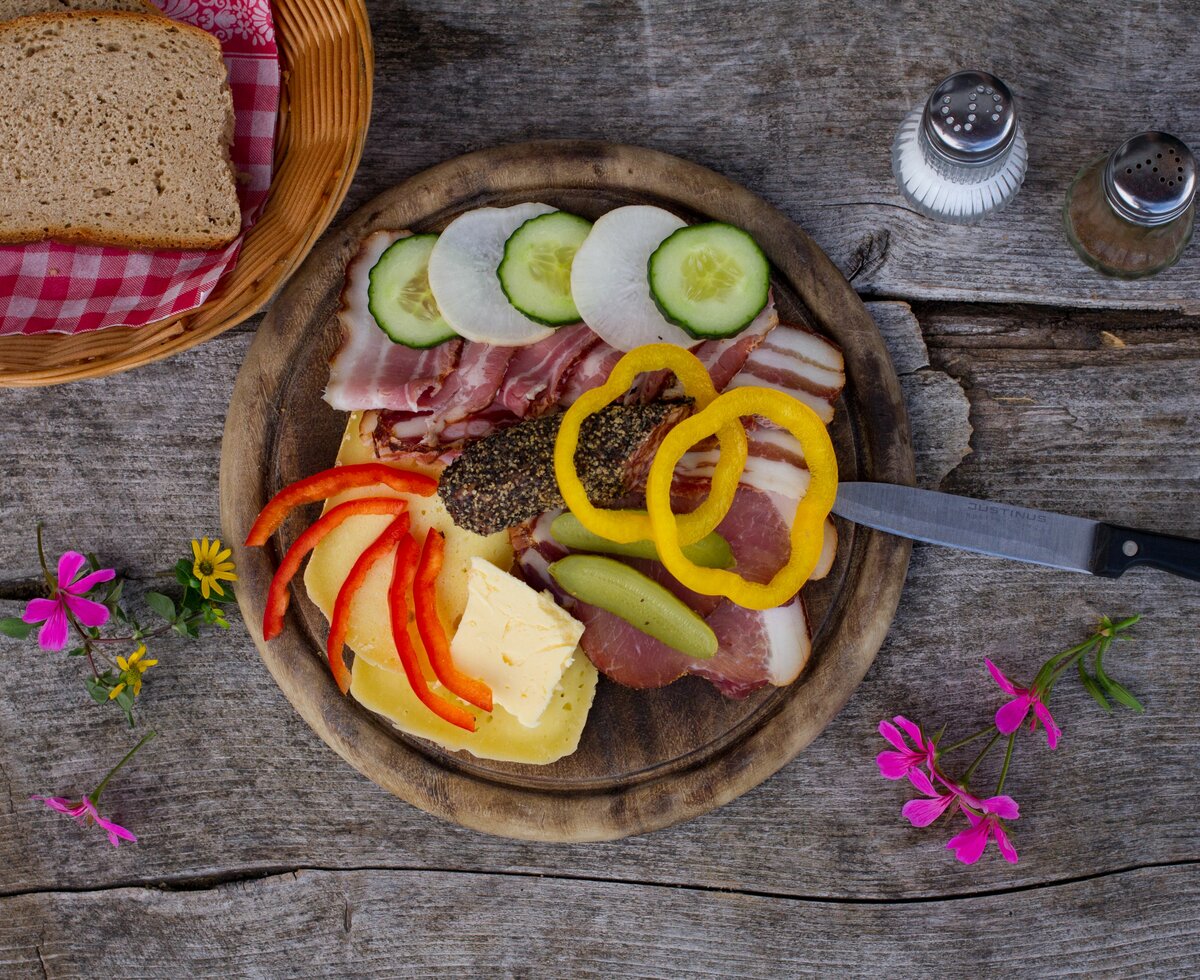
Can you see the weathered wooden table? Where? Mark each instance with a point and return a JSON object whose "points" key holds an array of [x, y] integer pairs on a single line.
{"points": [[262, 853]]}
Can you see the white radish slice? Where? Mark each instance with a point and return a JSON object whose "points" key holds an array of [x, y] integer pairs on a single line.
{"points": [[610, 283], [462, 276]]}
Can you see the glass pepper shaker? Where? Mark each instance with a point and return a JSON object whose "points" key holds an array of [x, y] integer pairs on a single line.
{"points": [[961, 155], [1130, 214]]}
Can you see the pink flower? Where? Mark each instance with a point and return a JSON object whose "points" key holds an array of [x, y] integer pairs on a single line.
{"points": [[68, 595], [897, 765], [921, 813], [969, 845], [85, 814], [1009, 717]]}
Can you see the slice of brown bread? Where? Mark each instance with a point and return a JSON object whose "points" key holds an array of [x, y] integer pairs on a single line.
{"points": [[115, 130], [22, 8]]}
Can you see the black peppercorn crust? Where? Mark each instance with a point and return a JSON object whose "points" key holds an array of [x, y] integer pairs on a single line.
{"points": [[508, 477]]}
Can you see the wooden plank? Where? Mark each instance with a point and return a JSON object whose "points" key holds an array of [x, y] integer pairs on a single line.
{"points": [[238, 782], [421, 923], [801, 105]]}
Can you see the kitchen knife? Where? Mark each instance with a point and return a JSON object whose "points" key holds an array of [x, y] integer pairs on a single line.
{"points": [[1007, 531]]}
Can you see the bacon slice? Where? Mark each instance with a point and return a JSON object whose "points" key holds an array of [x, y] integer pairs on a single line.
{"points": [[724, 358], [369, 370], [800, 363], [537, 373]]}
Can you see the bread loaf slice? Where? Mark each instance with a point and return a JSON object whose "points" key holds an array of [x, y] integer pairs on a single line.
{"points": [[115, 130], [22, 8]]}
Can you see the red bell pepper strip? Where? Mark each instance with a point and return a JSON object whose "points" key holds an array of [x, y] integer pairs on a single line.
{"points": [[327, 483], [403, 573], [278, 595], [430, 626], [339, 622]]}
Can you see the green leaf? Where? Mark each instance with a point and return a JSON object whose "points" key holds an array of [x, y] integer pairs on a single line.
{"points": [[1112, 688], [77, 652], [98, 687], [183, 573], [161, 604], [1090, 685], [114, 595], [1122, 696], [124, 701], [17, 628]]}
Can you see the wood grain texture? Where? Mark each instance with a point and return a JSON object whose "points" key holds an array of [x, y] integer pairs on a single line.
{"points": [[238, 784], [800, 102], [419, 923], [647, 759]]}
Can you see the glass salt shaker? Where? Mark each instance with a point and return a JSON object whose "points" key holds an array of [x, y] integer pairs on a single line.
{"points": [[1130, 214], [961, 155]]}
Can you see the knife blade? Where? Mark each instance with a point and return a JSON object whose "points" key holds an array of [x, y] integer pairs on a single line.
{"points": [[1009, 531]]}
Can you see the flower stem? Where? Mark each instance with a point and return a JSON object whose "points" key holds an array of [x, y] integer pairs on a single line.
{"points": [[979, 758], [95, 794], [42, 559], [966, 741], [1008, 754]]}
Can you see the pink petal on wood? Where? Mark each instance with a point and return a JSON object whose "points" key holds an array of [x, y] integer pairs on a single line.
{"points": [[86, 611], [1009, 718], [90, 581], [68, 567], [39, 610]]}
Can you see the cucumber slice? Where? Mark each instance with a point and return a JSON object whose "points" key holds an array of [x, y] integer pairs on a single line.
{"points": [[535, 272], [637, 599], [709, 552], [710, 279], [399, 297]]}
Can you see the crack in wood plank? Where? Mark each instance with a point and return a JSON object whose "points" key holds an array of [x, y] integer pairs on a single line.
{"points": [[235, 878]]}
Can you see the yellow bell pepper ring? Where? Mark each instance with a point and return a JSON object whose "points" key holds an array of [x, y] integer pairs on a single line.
{"points": [[627, 526], [808, 525]]}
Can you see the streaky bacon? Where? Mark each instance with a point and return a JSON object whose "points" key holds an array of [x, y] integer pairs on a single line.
{"points": [[369, 370], [591, 371], [800, 363], [537, 373], [724, 358]]}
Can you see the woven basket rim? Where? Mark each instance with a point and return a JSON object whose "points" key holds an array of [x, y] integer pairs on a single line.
{"points": [[317, 154]]}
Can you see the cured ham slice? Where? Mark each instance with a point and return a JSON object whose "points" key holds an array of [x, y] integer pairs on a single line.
{"points": [[537, 373], [800, 363], [754, 648], [369, 370]]}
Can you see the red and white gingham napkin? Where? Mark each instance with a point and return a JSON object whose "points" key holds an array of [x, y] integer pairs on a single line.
{"points": [[49, 287]]}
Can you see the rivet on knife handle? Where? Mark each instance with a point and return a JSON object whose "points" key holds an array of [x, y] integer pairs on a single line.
{"points": [[1120, 548]]}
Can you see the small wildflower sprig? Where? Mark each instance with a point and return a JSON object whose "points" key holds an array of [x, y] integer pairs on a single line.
{"points": [[83, 811], [919, 757], [82, 597]]}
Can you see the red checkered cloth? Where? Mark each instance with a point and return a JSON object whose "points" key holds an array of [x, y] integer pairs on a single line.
{"points": [[49, 287]]}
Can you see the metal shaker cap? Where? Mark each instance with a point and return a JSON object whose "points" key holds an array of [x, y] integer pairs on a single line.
{"points": [[1150, 179], [970, 118]]}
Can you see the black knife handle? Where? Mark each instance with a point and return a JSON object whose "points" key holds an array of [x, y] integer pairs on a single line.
{"points": [[1120, 548]]}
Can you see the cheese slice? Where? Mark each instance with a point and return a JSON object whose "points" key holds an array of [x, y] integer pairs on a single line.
{"points": [[379, 682], [518, 641]]}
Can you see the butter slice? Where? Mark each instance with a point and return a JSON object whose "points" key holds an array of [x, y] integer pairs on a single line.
{"points": [[515, 639]]}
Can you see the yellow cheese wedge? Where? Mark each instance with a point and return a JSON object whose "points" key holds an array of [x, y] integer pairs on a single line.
{"points": [[379, 681]]}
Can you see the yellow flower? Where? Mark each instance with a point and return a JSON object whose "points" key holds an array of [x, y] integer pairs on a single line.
{"points": [[211, 565], [131, 672]]}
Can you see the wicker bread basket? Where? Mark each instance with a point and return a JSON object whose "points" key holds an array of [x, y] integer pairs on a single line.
{"points": [[326, 64]]}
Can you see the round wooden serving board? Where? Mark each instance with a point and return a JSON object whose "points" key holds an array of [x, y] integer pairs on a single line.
{"points": [[647, 759]]}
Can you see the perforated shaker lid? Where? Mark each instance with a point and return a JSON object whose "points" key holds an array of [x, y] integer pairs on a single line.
{"points": [[970, 117], [1150, 179]]}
